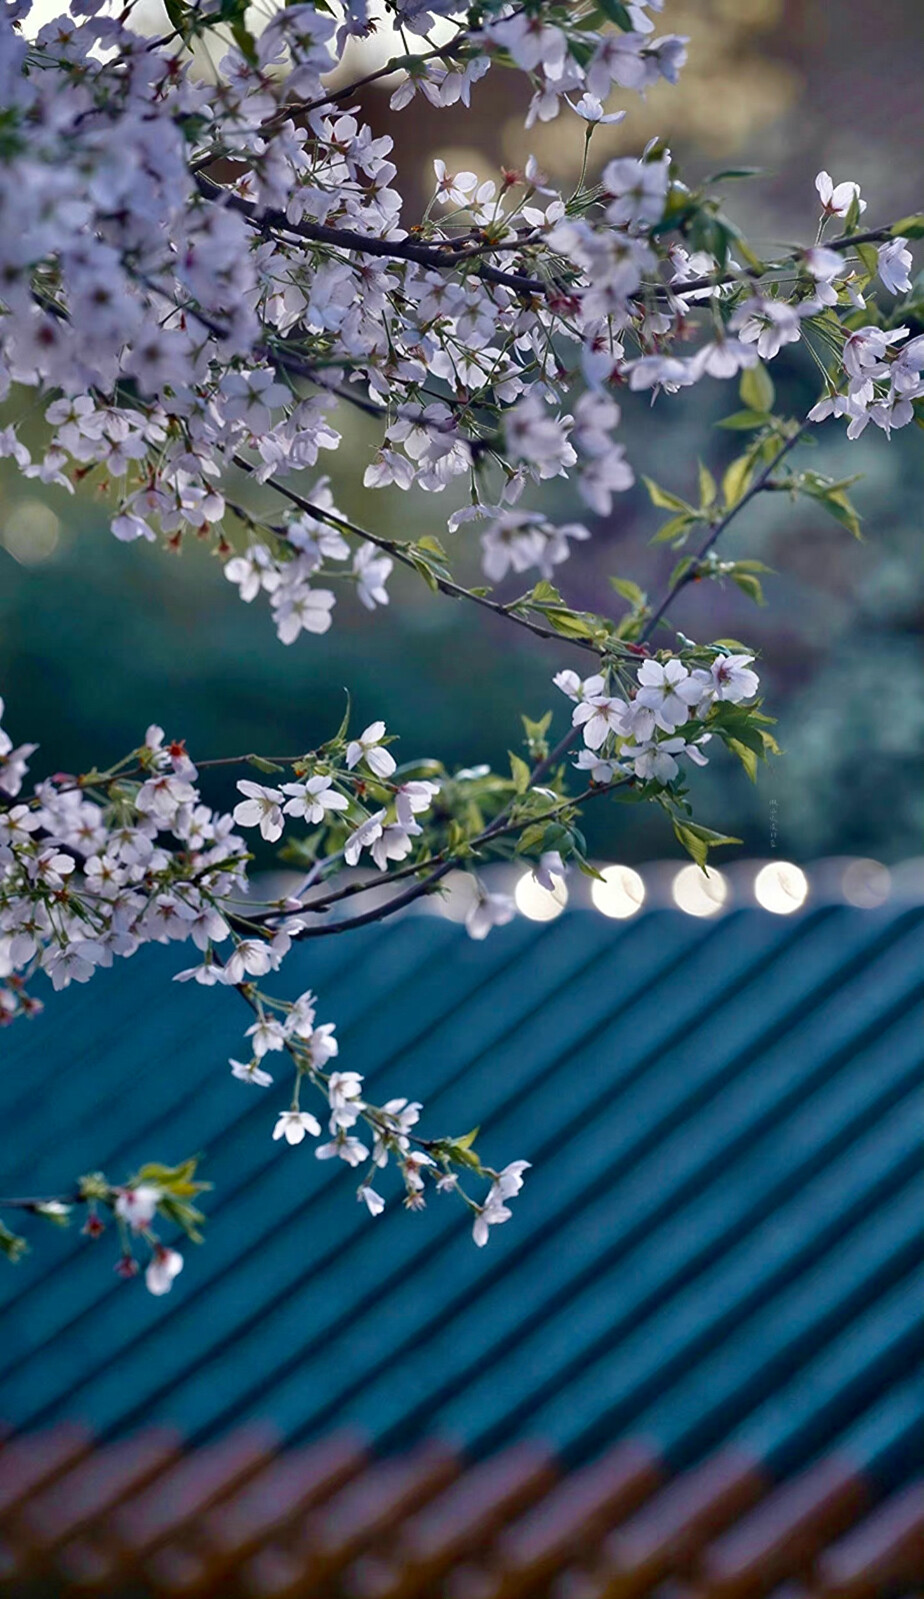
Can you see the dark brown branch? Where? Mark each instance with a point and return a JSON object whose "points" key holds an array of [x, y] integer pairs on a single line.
{"points": [[368, 244]]}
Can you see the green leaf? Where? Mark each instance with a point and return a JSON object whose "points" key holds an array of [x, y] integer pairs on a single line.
{"points": [[433, 545], [746, 756], [568, 623], [681, 569], [909, 227], [616, 12], [756, 388], [832, 495], [630, 591], [736, 480], [853, 214], [263, 765], [698, 840], [531, 838], [341, 732], [665, 500], [178, 16], [733, 172], [536, 731], [675, 530], [749, 585], [423, 567], [707, 487], [520, 773], [838, 505], [869, 255], [545, 593], [745, 421], [245, 42], [178, 1180], [11, 1244]]}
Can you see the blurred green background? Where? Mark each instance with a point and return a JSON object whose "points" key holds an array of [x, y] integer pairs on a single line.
{"points": [[98, 639]]}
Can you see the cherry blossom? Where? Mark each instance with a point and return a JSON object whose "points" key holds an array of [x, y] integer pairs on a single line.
{"points": [[165, 1265], [836, 199], [261, 808], [369, 748], [294, 1125]]}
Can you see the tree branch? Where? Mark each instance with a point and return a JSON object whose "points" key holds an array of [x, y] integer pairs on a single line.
{"points": [[760, 482], [399, 552]]}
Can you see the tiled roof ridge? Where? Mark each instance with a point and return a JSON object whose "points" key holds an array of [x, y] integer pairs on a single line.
{"points": [[242, 1519]]}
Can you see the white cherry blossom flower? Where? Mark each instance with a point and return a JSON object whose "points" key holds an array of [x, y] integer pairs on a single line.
{"points": [[599, 716], [261, 808], [163, 1267], [733, 678], [374, 1202], [549, 869], [494, 1210], [250, 1072], [352, 1150], [487, 911], [372, 572], [313, 799], [667, 690], [894, 261], [138, 1206], [364, 837], [412, 799], [293, 1125], [836, 199], [369, 748], [268, 1034]]}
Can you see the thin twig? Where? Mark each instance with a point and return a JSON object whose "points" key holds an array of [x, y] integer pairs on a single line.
{"points": [[760, 482], [399, 552]]}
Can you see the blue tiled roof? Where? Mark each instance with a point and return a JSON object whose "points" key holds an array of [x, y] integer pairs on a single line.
{"points": [[719, 1241]]}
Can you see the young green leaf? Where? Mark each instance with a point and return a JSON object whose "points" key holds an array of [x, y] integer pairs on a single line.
{"points": [[707, 487], [756, 388], [676, 530], [664, 499], [736, 480], [630, 591]]}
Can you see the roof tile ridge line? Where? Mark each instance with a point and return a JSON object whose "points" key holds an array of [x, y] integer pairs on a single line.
{"points": [[423, 1255], [458, 1385], [792, 932], [796, 929], [291, 1218], [839, 976], [558, 1384]]}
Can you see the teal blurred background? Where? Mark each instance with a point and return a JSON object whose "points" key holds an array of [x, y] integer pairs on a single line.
{"points": [[98, 639]]}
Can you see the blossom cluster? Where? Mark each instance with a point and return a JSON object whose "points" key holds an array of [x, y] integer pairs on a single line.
{"points": [[180, 327], [85, 879], [639, 733], [291, 1027]]}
